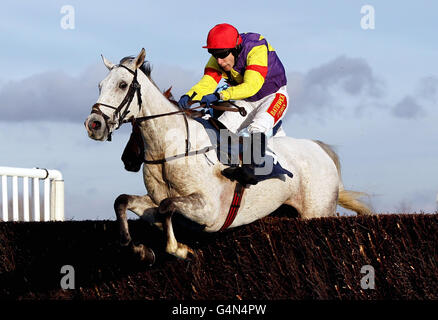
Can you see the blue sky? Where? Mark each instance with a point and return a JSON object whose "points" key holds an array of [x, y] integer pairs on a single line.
{"points": [[370, 93]]}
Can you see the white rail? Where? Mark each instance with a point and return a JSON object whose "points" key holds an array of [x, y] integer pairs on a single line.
{"points": [[53, 209]]}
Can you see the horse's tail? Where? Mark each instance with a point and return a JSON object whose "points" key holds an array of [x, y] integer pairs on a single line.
{"points": [[347, 199]]}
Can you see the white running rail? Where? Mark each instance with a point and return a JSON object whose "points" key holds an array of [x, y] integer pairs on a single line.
{"points": [[53, 194]]}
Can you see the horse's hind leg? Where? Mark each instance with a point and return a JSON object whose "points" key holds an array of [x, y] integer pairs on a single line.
{"points": [[193, 204], [144, 207]]}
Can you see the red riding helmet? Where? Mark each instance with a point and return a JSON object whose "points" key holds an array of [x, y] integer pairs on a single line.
{"points": [[223, 36]]}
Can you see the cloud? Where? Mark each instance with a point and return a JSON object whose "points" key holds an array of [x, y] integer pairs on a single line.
{"points": [[53, 96], [330, 85], [322, 87], [427, 88], [342, 83], [57, 96], [413, 106], [408, 108]]}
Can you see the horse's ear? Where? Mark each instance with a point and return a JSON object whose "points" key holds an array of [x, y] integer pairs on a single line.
{"points": [[140, 58], [168, 93], [107, 63]]}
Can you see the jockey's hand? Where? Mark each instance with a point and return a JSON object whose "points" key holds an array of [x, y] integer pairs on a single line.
{"points": [[210, 98], [184, 101]]}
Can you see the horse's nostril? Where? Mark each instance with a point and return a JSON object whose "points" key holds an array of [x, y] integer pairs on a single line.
{"points": [[95, 125]]}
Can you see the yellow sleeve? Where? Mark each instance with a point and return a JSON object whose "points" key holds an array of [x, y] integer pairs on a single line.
{"points": [[209, 82], [254, 77]]}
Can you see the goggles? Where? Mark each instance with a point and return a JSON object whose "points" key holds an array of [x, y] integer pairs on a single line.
{"points": [[220, 53]]}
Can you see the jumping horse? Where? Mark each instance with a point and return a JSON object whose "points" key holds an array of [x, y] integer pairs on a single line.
{"points": [[182, 173]]}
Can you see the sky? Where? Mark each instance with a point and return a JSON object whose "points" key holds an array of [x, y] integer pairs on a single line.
{"points": [[371, 93]]}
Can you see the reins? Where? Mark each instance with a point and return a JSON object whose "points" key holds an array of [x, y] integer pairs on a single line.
{"points": [[191, 111]]}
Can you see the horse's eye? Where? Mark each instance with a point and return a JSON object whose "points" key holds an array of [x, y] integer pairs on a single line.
{"points": [[123, 85]]}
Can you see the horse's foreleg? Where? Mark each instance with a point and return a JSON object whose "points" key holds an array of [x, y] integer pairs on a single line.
{"points": [[174, 247], [144, 207], [191, 203]]}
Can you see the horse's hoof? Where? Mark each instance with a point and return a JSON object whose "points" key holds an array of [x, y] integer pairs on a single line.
{"points": [[182, 251], [190, 254], [144, 254]]}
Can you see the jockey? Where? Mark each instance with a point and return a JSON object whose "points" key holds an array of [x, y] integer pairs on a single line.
{"points": [[256, 77]]}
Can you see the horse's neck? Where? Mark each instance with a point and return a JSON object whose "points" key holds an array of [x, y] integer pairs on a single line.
{"points": [[159, 132]]}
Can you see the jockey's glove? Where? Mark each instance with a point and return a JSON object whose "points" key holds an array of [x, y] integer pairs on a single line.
{"points": [[184, 101], [210, 98]]}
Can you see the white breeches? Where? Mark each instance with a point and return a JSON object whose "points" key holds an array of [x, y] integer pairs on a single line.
{"points": [[262, 115]]}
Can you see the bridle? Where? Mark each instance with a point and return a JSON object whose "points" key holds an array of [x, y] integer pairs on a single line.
{"points": [[119, 116]]}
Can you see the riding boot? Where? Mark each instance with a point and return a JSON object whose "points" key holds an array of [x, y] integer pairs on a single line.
{"points": [[257, 165]]}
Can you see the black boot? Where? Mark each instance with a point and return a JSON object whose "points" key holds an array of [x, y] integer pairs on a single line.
{"points": [[244, 174], [260, 166]]}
